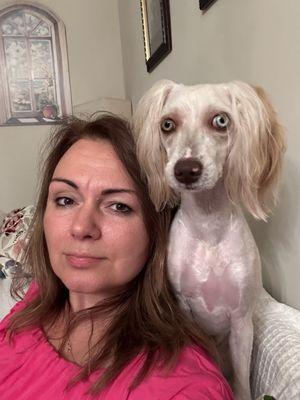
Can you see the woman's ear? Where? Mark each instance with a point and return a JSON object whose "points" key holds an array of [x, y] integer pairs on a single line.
{"points": [[150, 149]]}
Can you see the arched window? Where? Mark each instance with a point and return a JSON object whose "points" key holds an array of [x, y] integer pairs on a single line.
{"points": [[34, 78]]}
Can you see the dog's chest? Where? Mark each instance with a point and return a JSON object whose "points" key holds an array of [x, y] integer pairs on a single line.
{"points": [[206, 273]]}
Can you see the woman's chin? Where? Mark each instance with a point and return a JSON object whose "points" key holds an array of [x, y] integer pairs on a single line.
{"points": [[85, 286], [88, 289]]}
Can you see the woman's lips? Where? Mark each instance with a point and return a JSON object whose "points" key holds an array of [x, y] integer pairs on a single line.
{"points": [[82, 261]]}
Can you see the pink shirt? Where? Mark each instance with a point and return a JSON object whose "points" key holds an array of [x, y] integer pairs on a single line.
{"points": [[31, 369]]}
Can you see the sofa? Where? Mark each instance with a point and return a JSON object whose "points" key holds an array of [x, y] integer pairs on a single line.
{"points": [[13, 230], [276, 347]]}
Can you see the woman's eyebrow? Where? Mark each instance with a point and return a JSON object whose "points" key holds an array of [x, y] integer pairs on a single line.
{"points": [[105, 192], [117, 190], [67, 181]]}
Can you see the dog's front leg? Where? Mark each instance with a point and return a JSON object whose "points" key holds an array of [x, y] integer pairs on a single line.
{"points": [[184, 304], [240, 344]]}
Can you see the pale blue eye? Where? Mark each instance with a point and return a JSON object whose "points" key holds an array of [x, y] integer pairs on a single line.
{"points": [[221, 121], [168, 125]]}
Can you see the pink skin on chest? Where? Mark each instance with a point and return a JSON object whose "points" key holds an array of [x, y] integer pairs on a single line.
{"points": [[210, 279], [217, 291]]}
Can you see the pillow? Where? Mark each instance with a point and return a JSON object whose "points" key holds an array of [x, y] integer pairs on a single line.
{"points": [[13, 238], [6, 301], [276, 350], [2, 216]]}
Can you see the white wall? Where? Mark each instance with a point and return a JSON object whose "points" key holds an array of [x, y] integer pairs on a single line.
{"points": [[256, 41], [95, 64]]}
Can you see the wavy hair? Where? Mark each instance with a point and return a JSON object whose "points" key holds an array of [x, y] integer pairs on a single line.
{"points": [[146, 316]]}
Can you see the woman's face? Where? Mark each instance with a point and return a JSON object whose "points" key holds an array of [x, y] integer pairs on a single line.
{"points": [[93, 223]]}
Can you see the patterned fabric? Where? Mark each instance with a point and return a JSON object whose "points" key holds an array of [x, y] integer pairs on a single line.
{"points": [[13, 233], [6, 300], [2, 216], [276, 350]]}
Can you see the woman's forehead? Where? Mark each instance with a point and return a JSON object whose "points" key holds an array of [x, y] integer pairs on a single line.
{"points": [[93, 160]]}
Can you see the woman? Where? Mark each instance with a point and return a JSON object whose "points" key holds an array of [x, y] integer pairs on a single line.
{"points": [[99, 318]]}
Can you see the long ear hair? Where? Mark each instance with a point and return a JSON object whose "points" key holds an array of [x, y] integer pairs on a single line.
{"points": [[256, 149], [151, 152]]}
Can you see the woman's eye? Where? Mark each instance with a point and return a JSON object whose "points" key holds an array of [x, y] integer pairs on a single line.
{"points": [[167, 125], [63, 201], [121, 207], [221, 121]]}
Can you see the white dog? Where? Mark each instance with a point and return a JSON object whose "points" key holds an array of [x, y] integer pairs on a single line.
{"points": [[218, 147]]}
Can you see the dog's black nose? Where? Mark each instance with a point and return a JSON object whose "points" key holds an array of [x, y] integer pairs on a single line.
{"points": [[188, 170]]}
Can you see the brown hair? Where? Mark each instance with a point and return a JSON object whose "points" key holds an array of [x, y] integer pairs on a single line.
{"points": [[146, 316]]}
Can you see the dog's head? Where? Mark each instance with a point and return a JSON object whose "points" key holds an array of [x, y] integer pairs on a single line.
{"points": [[190, 137]]}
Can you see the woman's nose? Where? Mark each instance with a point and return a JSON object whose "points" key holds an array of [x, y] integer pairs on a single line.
{"points": [[85, 224]]}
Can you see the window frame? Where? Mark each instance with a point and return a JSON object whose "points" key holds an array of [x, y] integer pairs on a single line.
{"points": [[61, 71]]}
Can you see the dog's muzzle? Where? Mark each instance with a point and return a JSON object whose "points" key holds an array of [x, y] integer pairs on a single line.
{"points": [[188, 170]]}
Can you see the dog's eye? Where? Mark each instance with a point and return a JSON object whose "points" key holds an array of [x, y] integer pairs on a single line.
{"points": [[220, 121], [168, 125]]}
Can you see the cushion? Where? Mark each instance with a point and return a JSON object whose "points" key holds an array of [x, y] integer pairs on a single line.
{"points": [[276, 350], [6, 301], [2, 216], [13, 238]]}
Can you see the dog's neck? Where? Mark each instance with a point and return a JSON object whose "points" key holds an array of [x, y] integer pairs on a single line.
{"points": [[208, 213], [207, 202]]}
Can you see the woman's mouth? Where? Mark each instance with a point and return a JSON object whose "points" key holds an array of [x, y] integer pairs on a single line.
{"points": [[81, 261]]}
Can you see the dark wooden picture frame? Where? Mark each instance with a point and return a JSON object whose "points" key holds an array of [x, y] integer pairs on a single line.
{"points": [[156, 31], [205, 4]]}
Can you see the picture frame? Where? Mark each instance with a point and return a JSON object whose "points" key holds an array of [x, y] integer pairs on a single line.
{"points": [[205, 4], [34, 73], [156, 31]]}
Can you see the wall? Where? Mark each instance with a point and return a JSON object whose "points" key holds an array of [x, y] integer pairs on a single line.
{"points": [[256, 41], [95, 65]]}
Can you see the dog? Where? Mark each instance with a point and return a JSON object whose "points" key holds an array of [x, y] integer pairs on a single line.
{"points": [[216, 148]]}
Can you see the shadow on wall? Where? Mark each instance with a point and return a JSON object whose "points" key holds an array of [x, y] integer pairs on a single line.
{"points": [[276, 238]]}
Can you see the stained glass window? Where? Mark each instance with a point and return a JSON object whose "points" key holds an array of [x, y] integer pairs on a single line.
{"points": [[30, 63]]}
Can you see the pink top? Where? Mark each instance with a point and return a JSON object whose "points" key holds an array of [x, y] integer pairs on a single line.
{"points": [[30, 369]]}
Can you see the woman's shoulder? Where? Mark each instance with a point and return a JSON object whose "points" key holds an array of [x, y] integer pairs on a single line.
{"points": [[196, 359], [195, 377], [201, 377]]}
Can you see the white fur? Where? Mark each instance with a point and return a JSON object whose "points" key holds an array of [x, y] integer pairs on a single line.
{"points": [[213, 262]]}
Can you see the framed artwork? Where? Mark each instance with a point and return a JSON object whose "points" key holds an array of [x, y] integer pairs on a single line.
{"points": [[34, 76], [205, 4], [156, 31]]}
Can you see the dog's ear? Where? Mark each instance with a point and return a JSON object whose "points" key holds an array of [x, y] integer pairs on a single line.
{"points": [[275, 149], [256, 149], [150, 149]]}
